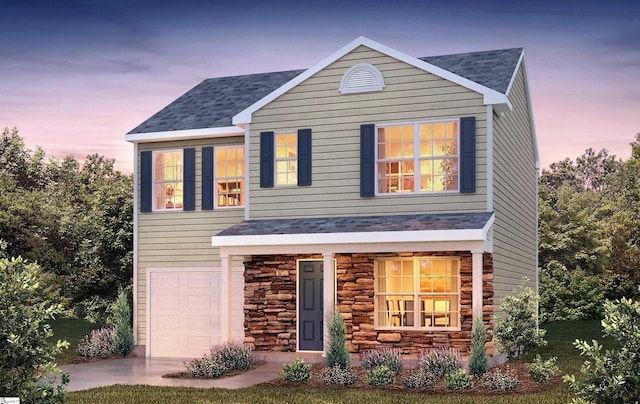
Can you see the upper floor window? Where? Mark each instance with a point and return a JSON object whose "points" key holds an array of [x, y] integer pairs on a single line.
{"points": [[418, 157], [167, 180], [286, 158], [418, 292], [229, 176]]}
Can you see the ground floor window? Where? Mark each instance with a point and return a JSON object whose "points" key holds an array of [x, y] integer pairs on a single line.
{"points": [[418, 292]]}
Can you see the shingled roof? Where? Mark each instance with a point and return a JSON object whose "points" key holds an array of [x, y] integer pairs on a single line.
{"points": [[360, 224], [214, 102]]}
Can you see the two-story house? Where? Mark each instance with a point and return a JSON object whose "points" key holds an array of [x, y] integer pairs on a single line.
{"points": [[399, 190]]}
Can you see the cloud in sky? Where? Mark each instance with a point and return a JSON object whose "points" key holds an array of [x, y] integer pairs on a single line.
{"points": [[77, 75]]}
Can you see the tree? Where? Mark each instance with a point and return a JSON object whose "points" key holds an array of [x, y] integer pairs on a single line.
{"points": [[337, 354], [27, 356], [478, 362]]}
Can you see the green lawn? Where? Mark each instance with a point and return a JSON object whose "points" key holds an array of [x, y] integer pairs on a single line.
{"points": [[559, 335], [71, 330]]}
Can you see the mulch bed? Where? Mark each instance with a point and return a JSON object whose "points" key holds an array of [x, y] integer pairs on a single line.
{"points": [[87, 359], [230, 373], [526, 385]]}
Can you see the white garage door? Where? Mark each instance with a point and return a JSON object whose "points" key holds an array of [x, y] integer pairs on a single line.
{"points": [[184, 311]]}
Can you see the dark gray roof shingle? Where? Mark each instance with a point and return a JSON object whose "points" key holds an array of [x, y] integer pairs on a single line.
{"points": [[214, 102], [354, 224], [492, 69]]}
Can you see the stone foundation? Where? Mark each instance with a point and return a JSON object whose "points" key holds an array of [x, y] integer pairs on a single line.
{"points": [[270, 304]]}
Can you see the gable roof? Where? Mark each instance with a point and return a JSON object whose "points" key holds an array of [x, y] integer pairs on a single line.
{"points": [[225, 101]]}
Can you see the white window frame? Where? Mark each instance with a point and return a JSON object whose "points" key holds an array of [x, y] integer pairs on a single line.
{"points": [[240, 179], [276, 159], [416, 157], [416, 294], [155, 181]]}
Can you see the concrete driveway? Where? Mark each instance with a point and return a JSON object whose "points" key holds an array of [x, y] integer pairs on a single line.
{"points": [[142, 370]]}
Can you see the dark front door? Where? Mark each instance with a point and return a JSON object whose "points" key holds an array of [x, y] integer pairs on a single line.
{"points": [[310, 324]]}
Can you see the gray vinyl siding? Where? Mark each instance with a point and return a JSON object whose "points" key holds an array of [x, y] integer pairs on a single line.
{"points": [[515, 199], [410, 95], [178, 239]]}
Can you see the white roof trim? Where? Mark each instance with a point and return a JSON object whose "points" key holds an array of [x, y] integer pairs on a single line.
{"points": [[184, 134], [490, 96], [378, 237], [531, 120]]}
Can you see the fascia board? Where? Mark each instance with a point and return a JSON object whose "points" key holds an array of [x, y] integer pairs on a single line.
{"points": [[188, 134], [490, 96], [350, 238]]}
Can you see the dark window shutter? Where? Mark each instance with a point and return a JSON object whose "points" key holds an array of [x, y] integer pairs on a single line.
{"points": [[468, 154], [367, 160], [189, 178], [266, 159], [304, 157], [146, 181], [207, 178]]}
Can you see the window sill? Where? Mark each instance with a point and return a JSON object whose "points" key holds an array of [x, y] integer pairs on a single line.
{"points": [[393, 194]]}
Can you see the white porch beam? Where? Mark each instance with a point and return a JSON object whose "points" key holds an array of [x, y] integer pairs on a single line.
{"points": [[476, 279], [329, 294], [226, 283]]}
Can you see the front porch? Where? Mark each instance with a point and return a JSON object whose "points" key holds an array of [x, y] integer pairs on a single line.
{"points": [[355, 279]]}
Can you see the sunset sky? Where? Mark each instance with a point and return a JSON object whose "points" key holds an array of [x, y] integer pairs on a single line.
{"points": [[75, 76]]}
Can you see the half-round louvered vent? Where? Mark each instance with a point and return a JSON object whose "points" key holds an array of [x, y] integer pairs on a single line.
{"points": [[361, 78]]}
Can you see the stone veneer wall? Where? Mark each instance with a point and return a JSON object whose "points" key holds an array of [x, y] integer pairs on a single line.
{"points": [[270, 304]]}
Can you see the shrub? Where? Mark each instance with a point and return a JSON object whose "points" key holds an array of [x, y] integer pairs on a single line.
{"points": [[296, 371], [94, 309], [517, 332], [99, 343], [612, 375], [123, 333], [380, 376], [499, 379], [440, 361], [542, 371], [208, 367], [27, 366], [337, 354], [419, 379], [391, 358], [338, 375], [233, 356], [457, 380], [478, 363]]}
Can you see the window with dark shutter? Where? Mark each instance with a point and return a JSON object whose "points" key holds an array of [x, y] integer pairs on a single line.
{"points": [[468, 154], [146, 181], [304, 157], [266, 159], [189, 179], [207, 178], [367, 160]]}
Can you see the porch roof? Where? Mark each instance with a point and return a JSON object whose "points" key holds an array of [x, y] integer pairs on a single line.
{"points": [[358, 230]]}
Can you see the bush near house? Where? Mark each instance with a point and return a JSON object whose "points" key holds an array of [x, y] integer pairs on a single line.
{"points": [[27, 363], [389, 357], [440, 361], [337, 354], [612, 375], [478, 361], [296, 371]]}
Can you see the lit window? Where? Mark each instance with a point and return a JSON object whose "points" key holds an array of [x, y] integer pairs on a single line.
{"points": [[418, 293], [286, 159], [418, 157], [167, 180], [229, 176]]}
